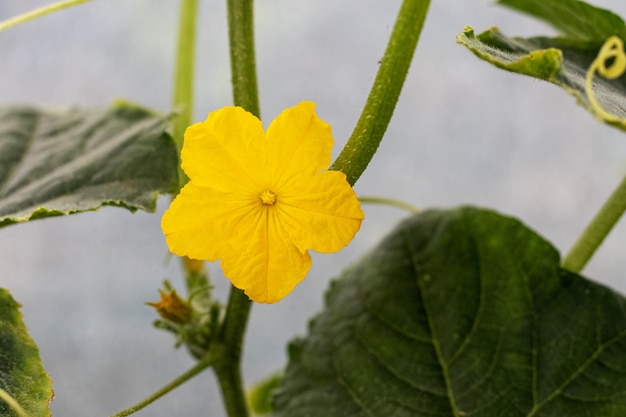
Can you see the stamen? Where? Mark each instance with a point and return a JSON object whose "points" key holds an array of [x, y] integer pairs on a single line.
{"points": [[268, 198]]}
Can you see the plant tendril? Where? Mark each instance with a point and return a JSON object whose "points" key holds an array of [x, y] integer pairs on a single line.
{"points": [[402, 205], [610, 64]]}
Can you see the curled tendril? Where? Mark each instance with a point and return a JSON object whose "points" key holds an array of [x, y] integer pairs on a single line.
{"points": [[610, 64]]}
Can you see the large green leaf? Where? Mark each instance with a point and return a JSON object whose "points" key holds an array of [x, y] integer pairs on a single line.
{"points": [[563, 61], [21, 372], [461, 313], [57, 163], [573, 18]]}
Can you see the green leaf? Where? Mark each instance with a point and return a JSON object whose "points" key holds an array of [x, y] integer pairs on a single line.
{"points": [[563, 61], [574, 19], [21, 372], [461, 312], [58, 163]]}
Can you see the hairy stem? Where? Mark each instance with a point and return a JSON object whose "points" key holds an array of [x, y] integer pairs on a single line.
{"points": [[245, 94], [374, 119], [242, 55], [599, 228], [39, 12], [228, 369]]}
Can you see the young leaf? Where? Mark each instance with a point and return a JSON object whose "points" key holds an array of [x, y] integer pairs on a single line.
{"points": [[58, 163], [461, 312], [21, 372], [563, 61]]}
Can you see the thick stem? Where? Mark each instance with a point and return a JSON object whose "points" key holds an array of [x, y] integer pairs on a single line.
{"points": [[597, 230], [235, 322], [245, 94], [242, 55], [228, 368], [385, 92], [231, 385]]}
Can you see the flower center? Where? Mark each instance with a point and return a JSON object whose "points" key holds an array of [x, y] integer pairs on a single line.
{"points": [[268, 198]]}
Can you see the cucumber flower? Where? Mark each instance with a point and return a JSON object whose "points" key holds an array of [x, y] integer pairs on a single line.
{"points": [[258, 201]]}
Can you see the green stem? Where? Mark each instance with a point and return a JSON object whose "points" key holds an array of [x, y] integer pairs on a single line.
{"points": [[242, 56], [228, 368], [389, 202], [235, 322], [196, 276], [183, 79], [39, 12], [231, 385], [599, 228], [385, 92], [245, 94], [199, 367]]}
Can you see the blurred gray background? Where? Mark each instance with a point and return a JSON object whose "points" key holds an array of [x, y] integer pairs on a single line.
{"points": [[463, 133]]}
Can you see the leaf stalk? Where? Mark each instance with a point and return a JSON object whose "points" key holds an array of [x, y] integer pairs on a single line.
{"points": [[39, 12], [599, 228], [381, 102]]}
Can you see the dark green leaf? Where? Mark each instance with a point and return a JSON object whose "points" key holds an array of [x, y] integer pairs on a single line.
{"points": [[21, 372], [561, 61], [574, 19], [57, 163], [461, 313]]}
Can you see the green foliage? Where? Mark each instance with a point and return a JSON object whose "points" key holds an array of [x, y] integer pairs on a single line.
{"points": [[457, 313], [574, 19], [58, 163], [564, 60], [461, 312], [21, 372]]}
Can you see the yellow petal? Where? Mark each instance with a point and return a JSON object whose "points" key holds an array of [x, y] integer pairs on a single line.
{"points": [[320, 212], [298, 141], [226, 152], [200, 220], [267, 266], [257, 202]]}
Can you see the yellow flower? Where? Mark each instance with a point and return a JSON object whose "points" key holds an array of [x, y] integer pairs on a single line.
{"points": [[259, 200]]}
